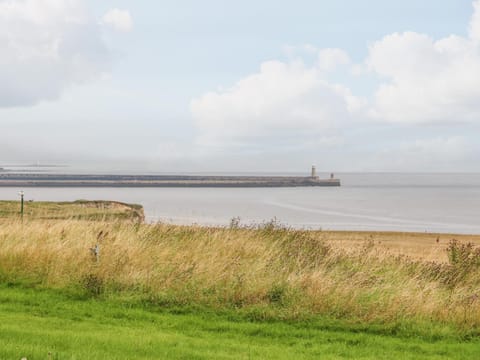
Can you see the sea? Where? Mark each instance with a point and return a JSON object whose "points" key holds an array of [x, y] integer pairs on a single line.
{"points": [[440, 203]]}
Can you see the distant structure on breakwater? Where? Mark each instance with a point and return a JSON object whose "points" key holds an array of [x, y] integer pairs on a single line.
{"points": [[69, 180]]}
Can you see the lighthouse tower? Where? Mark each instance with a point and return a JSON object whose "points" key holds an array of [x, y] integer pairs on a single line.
{"points": [[314, 172]]}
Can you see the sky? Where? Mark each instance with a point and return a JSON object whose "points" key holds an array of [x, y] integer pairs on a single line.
{"points": [[218, 86]]}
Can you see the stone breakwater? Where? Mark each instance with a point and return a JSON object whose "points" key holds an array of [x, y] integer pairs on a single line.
{"points": [[68, 180]]}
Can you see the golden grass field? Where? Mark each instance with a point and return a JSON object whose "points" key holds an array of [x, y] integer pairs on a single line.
{"points": [[80, 209], [421, 246], [268, 271]]}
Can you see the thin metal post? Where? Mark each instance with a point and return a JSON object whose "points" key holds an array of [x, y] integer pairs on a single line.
{"points": [[21, 193]]}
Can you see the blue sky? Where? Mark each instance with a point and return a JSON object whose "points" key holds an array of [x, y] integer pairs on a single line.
{"points": [[241, 86]]}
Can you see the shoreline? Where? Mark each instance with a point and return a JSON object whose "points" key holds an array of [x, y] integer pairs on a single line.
{"points": [[252, 224], [13, 205], [10, 210]]}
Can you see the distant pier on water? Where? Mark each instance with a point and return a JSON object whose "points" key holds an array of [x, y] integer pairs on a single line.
{"points": [[8, 179]]}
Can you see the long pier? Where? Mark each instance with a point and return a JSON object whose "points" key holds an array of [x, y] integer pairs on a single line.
{"points": [[152, 181]]}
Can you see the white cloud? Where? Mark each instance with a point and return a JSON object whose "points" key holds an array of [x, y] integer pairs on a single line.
{"points": [[475, 22], [421, 81], [120, 20], [427, 80], [45, 46], [329, 59], [282, 101]]}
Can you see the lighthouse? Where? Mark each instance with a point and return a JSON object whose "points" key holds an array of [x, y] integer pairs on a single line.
{"points": [[314, 172]]}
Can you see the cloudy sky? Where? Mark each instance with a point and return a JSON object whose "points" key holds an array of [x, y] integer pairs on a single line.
{"points": [[252, 85]]}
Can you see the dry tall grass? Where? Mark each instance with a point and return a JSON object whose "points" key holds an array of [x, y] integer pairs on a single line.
{"points": [[80, 209], [274, 271]]}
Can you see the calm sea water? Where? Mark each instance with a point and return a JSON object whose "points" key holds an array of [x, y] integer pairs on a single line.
{"points": [[399, 202]]}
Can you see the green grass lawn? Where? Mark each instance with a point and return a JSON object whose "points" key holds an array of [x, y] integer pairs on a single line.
{"points": [[47, 324]]}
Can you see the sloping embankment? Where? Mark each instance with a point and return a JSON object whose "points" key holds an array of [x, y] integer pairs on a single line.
{"points": [[78, 210]]}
